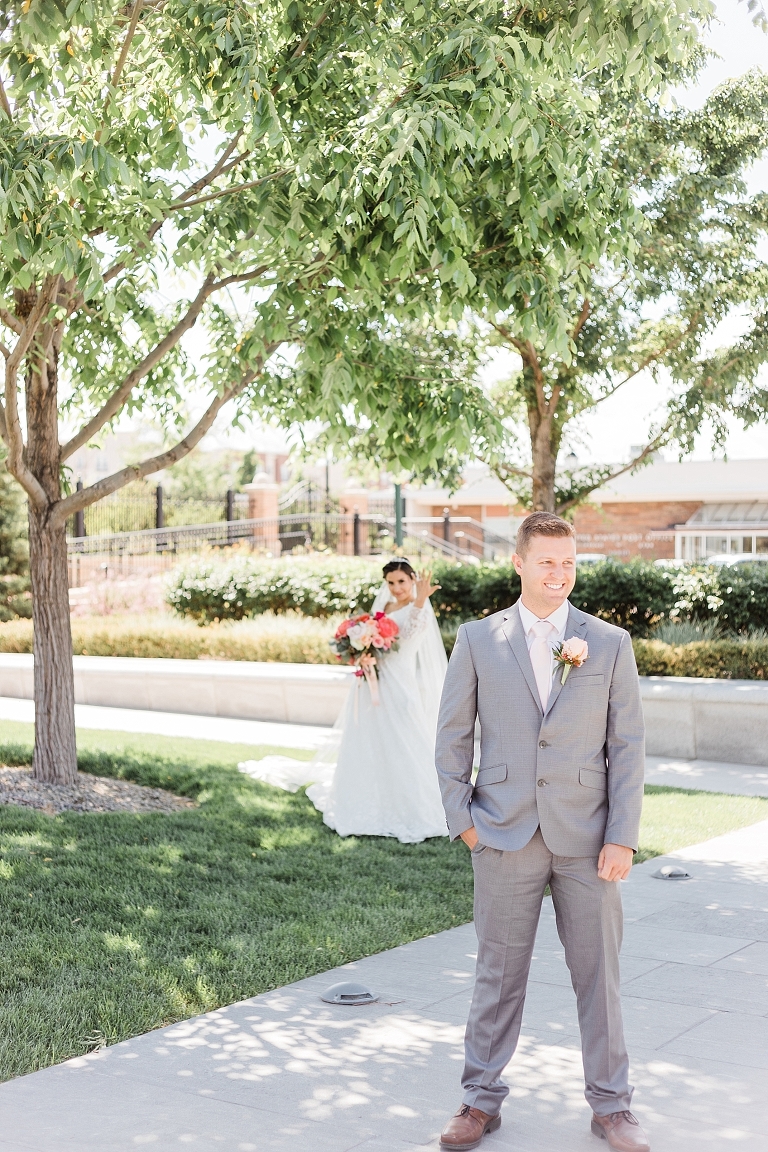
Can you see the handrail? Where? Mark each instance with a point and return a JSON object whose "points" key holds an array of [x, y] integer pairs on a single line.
{"points": [[338, 530]]}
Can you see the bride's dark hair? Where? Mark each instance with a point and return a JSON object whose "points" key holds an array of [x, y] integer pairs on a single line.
{"points": [[401, 565]]}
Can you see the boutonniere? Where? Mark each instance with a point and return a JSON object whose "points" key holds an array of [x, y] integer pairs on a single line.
{"points": [[571, 654]]}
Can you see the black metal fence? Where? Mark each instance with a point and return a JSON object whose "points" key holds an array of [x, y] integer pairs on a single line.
{"points": [[457, 537], [141, 508]]}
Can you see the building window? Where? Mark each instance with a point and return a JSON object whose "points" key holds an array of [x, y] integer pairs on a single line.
{"points": [[762, 544], [716, 545], [746, 543]]}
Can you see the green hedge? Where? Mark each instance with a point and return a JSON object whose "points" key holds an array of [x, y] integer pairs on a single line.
{"points": [[208, 591], [636, 596], [726, 659]]}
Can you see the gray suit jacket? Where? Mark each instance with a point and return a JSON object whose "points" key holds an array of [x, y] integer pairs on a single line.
{"points": [[576, 770]]}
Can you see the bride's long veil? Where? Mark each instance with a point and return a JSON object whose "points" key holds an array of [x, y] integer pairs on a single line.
{"points": [[431, 660], [431, 666]]}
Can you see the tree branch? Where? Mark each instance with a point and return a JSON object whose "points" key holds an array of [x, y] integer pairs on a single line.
{"points": [[87, 496], [123, 391], [219, 169], [178, 205], [11, 321], [583, 316], [644, 364], [121, 60], [4, 104], [649, 449], [17, 465], [118, 398], [502, 470]]}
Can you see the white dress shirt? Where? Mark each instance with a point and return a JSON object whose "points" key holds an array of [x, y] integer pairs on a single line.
{"points": [[558, 619], [541, 636]]}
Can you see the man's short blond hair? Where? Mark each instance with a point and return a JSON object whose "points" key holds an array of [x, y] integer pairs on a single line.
{"points": [[541, 524]]}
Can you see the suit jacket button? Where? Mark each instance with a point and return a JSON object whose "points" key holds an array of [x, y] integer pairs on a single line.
{"points": [[541, 783], [543, 744]]}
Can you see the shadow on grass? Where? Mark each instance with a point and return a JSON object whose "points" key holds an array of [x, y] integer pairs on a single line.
{"points": [[115, 924]]}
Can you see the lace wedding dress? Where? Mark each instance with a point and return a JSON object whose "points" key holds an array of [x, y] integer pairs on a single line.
{"points": [[376, 775]]}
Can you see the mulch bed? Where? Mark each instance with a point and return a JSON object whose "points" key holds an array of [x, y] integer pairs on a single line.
{"points": [[89, 794]]}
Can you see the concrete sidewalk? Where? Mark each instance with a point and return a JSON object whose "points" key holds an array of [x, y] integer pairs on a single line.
{"points": [[178, 724], [703, 775], [284, 1071], [707, 776]]}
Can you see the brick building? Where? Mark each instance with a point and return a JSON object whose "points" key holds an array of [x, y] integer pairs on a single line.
{"points": [[687, 510]]}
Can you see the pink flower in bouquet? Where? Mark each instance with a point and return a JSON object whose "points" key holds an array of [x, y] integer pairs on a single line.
{"points": [[358, 638]]}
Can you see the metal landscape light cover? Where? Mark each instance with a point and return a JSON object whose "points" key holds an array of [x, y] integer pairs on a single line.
{"points": [[348, 993], [672, 872]]}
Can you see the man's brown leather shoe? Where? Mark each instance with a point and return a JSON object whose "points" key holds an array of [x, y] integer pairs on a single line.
{"points": [[467, 1128], [622, 1132]]}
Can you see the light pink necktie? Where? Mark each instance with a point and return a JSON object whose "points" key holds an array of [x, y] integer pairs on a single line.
{"points": [[541, 658]]}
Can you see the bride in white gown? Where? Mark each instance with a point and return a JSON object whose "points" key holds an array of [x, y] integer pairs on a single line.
{"points": [[376, 775]]}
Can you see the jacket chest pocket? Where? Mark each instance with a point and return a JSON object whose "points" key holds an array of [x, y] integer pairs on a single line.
{"points": [[593, 681]]}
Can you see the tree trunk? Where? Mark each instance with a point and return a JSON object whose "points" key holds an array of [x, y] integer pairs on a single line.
{"points": [[55, 756], [544, 458]]}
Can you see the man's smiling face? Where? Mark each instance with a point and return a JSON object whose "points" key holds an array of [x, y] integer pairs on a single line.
{"points": [[547, 572]]}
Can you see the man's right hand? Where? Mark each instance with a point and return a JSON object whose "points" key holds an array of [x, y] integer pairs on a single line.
{"points": [[470, 837]]}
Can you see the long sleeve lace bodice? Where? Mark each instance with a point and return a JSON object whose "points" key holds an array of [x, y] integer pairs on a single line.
{"points": [[412, 622]]}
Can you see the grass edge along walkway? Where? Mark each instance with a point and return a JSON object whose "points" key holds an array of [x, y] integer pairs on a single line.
{"points": [[115, 924]]}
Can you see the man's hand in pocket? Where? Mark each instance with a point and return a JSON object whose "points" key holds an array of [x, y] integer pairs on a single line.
{"points": [[470, 837]]}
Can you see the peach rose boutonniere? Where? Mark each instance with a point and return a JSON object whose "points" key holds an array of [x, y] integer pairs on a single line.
{"points": [[571, 654]]}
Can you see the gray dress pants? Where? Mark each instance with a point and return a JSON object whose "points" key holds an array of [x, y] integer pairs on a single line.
{"points": [[509, 888]]}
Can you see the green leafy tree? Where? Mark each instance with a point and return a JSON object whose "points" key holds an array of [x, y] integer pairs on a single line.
{"points": [[693, 262], [246, 168], [658, 311], [248, 468]]}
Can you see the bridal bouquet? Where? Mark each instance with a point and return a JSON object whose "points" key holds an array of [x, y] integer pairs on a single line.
{"points": [[362, 641]]}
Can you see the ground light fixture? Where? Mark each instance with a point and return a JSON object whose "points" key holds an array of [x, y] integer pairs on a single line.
{"points": [[349, 994], [671, 872]]}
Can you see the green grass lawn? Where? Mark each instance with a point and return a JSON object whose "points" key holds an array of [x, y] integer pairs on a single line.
{"points": [[115, 924]]}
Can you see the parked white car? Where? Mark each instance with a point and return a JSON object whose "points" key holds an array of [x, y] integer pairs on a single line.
{"points": [[738, 558]]}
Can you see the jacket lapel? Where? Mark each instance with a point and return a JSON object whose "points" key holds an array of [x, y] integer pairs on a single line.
{"points": [[512, 627], [576, 626]]}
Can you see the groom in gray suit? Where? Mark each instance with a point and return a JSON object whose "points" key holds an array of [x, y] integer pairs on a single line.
{"points": [[556, 802]]}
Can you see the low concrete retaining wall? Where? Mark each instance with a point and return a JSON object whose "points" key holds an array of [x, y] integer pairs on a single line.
{"points": [[706, 719], [686, 718], [291, 693]]}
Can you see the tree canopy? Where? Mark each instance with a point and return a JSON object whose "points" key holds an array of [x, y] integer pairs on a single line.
{"points": [[359, 146], [691, 275], [260, 171]]}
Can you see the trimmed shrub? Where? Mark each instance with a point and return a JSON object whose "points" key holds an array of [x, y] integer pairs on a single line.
{"points": [[743, 595], [208, 591], [637, 596], [727, 659], [634, 596], [291, 639]]}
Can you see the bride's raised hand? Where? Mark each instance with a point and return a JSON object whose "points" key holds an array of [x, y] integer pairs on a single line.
{"points": [[424, 587]]}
